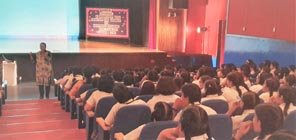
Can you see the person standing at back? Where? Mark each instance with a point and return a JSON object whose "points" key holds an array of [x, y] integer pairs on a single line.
{"points": [[42, 59]]}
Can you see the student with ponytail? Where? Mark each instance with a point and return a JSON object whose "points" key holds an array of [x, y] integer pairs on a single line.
{"points": [[235, 87], [193, 125], [270, 86], [285, 99]]}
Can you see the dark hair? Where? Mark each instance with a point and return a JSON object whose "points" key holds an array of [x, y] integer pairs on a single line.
{"points": [[263, 76], [147, 88], [204, 78], [162, 112], [194, 122], [43, 43], [271, 118], [118, 75], [166, 86], [105, 83], [88, 72], [211, 87], [246, 70], [237, 79], [250, 100], [167, 73], [283, 135], [95, 82], [272, 84], [121, 93], [291, 80], [128, 79], [193, 92], [179, 82], [152, 75], [275, 64], [185, 76], [288, 96]]}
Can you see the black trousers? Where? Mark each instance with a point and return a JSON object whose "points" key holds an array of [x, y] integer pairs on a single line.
{"points": [[41, 91]]}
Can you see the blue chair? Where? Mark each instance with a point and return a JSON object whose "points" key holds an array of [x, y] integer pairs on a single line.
{"points": [[134, 90], [127, 119], [220, 106], [145, 98], [251, 134], [103, 107], [290, 121], [152, 129], [220, 126]]}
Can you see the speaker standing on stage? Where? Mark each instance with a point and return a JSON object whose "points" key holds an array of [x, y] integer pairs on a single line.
{"points": [[44, 71]]}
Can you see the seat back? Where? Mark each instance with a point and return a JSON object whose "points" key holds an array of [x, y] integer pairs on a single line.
{"points": [[134, 90], [220, 106], [104, 106], [251, 134], [145, 98], [129, 118], [220, 126], [290, 121], [152, 129]]}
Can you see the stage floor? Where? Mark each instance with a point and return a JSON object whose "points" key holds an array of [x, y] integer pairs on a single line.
{"points": [[69, 46]]}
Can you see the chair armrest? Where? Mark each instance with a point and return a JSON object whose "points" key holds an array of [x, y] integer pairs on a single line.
{"points": [[101, 123], [90, 113]]}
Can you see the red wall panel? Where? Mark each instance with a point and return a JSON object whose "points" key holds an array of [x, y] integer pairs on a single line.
{"points": [[263, 18], [237, 16]]}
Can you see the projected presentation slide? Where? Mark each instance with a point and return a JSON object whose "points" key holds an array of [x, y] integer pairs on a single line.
{"points": [[105, 22]]}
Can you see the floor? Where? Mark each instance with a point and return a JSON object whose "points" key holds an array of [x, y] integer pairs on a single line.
{"points": [[25, 91], [25, 116]]}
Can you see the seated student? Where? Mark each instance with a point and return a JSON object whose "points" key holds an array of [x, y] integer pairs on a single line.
{"points": [[128, 80], [268, 118], [260, 82], [248, 103], [88, 72], [165, 89], [162, 112], [85, 95], [235, 87], [211, 91], [75, 75], [285, 99], [124, 98], [147, 88], [118, 76], [270, 87], [191, 95], [105, 85], [193, 125]]}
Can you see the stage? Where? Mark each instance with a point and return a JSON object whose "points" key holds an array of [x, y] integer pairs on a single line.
{"points": [[82, 53], [69, 46]]}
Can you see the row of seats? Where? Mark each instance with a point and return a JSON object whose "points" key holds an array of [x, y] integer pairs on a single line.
{"points": [[220, 125]]}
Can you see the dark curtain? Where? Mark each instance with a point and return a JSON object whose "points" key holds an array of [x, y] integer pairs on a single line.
{"points": [[138, 18]]}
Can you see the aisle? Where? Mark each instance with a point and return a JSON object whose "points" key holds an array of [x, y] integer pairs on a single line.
{"points": [[37, 120]]}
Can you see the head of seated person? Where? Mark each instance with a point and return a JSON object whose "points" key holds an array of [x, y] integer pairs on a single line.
{"points": [[162, 112], [128, 80], [250, 100], [194, 123], [166, 86], [121, 93], [148, 88], [105, 83], [211, 87]]}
